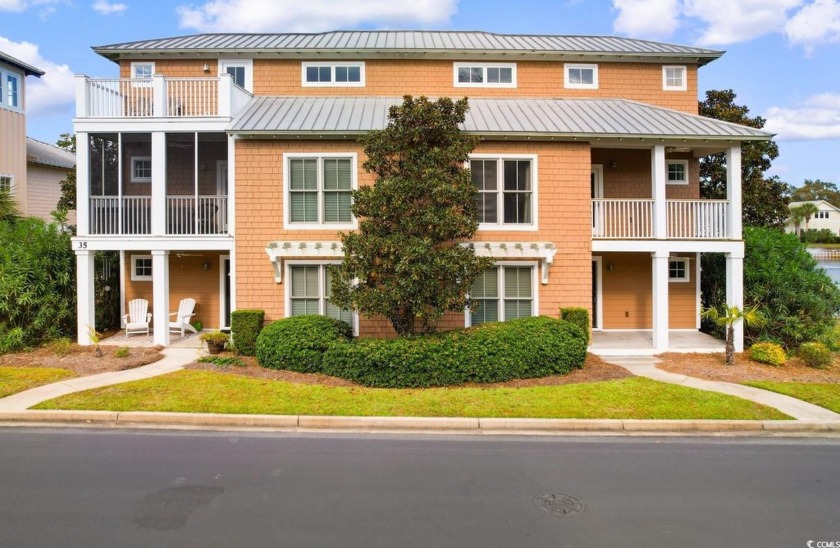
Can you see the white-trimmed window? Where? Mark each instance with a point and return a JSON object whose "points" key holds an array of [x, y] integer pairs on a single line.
{"points": [[142, 70], [505, 292], [674, 78], [678, 270], [309, 290], [507, 191], [578, 76], [484, 75], [318, 190], [677, 172], [821, 215], [240, 70], [141, 169], [7, 183], [141, 268], [10, 90], [333, 74]]}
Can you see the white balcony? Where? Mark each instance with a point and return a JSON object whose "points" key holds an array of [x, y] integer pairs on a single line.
{"points": [[132, 215], [685, 219]]}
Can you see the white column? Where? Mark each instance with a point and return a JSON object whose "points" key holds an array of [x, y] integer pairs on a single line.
{"points": [[659, 259], [158, 183], [158, 96], [698, 272], [658, 177], [225, 94], [82, 184], [231, 185], [122, 286], [733, 190], [85, 304], [160, 296], [735, 292], [81, 96]]}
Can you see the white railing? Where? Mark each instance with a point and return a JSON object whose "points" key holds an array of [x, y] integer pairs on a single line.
{"points": [[630, 219], [119, 98], [192, 97], [107, 217], [182, 216], [698, 219]]}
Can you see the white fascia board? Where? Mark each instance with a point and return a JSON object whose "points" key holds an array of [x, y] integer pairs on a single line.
{"points": [[146, 243], [134, 125], [668, 246]]}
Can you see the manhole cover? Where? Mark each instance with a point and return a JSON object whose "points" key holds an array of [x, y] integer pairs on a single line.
{"points": [[559, 504]]}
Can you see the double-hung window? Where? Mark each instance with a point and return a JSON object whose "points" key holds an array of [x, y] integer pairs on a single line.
{"points": [[319, 189], [580, 76], [506, 192], [333, 74], [505, 292], [502, 75], [309, 292]]}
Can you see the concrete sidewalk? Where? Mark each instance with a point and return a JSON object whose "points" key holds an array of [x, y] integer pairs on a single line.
{"points": [[173, 360], [645, 366]]}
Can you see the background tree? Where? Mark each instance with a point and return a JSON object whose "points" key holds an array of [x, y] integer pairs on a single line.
{"points": [[813, 190], [796, 217], [404, 262], [765, 199], [68, 184]]}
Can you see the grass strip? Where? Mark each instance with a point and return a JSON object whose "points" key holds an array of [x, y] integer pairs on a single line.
{"points": [[825, 395], [18, 379]]}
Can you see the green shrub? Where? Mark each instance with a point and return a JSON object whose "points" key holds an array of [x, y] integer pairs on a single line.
{"points": [[60, 347], [122, 352], [578, 316], [831, 338], [222, 361], [815, 354], [768, 352], [298, 343], [492, 352], [245, 327]]}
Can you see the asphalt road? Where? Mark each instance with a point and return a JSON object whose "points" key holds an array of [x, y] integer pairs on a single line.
{"points": [[151, 488]]}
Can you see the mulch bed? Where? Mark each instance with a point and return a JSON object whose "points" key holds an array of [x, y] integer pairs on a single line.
{"points": [[80, 359], [713, 367], [594, 369]]}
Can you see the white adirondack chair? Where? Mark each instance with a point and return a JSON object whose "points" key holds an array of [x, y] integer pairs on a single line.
{"points": [[138, 317], [186, 310]]}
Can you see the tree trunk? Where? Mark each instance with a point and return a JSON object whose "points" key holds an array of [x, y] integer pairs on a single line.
{"points": [[403, 322], [730, 344]]}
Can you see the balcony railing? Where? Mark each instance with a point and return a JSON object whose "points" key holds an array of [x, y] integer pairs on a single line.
{"points": [[132, 215], [685, 219], [158, 97]]}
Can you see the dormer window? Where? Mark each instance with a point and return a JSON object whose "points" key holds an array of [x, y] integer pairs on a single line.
{"points": [[581, 76], [484, 75], [333, 74]]}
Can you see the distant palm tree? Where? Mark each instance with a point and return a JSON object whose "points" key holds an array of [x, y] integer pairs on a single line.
{"points": [[796, 218], [8, 207], [808, 210]]}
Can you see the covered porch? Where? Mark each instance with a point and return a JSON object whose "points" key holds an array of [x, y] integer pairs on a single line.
{"points": [[639, 342]]}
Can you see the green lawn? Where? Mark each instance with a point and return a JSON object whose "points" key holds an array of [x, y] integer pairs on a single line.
{"points": [[823, 394], [18, 379], [212, 392]]}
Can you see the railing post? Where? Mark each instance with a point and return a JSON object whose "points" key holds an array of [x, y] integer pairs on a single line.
{"points": [[82, 96], [159, 205], [225, 94], [158, 95], [658, 176]]}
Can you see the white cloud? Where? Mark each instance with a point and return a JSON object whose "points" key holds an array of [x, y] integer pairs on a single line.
{"points": [[733, 21], [647, 18], [818, 117], [815, 24], [51, 92], [23, 5], [107, 8], [310, 15]]}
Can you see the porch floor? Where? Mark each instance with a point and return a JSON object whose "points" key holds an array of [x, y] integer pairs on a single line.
{"points": [[190, 340], [640, 342]]}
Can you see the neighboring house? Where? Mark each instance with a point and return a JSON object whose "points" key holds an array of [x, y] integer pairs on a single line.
{"points": [[221, 165], [13, 73], [827, 218], [46, 166]]}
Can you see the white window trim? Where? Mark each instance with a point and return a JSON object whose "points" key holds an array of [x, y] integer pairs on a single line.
{"points": [[485, 83], [11, 182], [4, 90], [569, 85], [249, 70], [535, 301], [322, 274], [134, 179], [141, 83], [686, 268], [667, 87], [534, 225], [684, 163], [134, 276], [332, 83], [354, 185]]}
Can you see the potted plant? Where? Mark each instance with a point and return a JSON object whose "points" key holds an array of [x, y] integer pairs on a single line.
{"points": [[215, 341]]}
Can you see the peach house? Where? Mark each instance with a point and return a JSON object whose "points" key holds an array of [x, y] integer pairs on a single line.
{"points": [[220, 167]]}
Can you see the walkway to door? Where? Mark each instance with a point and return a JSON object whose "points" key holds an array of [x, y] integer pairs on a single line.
{"points": [[640, 342]]}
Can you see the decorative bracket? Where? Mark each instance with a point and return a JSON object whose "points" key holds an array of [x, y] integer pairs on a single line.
{"points": [[280, 251], [541, 251]]}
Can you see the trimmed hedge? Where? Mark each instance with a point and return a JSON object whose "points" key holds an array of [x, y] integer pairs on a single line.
{"points": [[578, 316], [298, 343], [768, 353], [245, 326], [815, 354], [493, 352]]}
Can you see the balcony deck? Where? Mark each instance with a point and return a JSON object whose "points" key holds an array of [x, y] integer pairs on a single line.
{"points": [[633, 219], [132, 215]]}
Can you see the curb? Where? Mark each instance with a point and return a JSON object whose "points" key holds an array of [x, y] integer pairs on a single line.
{"points": [[454, 425]]}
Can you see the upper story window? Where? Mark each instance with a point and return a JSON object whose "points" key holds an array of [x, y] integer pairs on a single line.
{"points": [[142, 70], [678, 270], [6, 184], [505, 292], [318, 189], [822, 215], [10, 89], [581, 76], [487, 75], [677, 172], [240, 70], [674, 78], [507, 189], [141, 169], [334, 74]]}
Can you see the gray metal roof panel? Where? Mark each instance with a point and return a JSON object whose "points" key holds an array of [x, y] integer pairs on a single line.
{"points": [[555, 117], [27, 69], [38, 152]]}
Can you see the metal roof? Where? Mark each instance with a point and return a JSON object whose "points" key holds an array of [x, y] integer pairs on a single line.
{"points": [[560, 118], [27, 69], [38, 152], [383, 42]]}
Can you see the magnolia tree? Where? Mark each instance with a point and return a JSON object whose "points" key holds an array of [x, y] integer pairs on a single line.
{"points": [[404, 262]]}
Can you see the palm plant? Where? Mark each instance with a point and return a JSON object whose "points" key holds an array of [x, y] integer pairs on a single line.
{"points": [[807, 210], [796, 218], [8, 207], [727, 319]]}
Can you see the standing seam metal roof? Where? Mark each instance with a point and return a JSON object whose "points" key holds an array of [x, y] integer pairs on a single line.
{"points": [[38, 152]]}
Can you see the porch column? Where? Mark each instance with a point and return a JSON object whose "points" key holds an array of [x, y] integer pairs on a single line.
{"points": [[158, 183], [160, 295], [660, 300], [82, 185], [85, 304], [658, 177], [735, 292], [733, 191]]}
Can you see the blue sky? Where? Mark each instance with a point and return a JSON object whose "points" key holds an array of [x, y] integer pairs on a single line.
{"points": [[783, 56]]}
